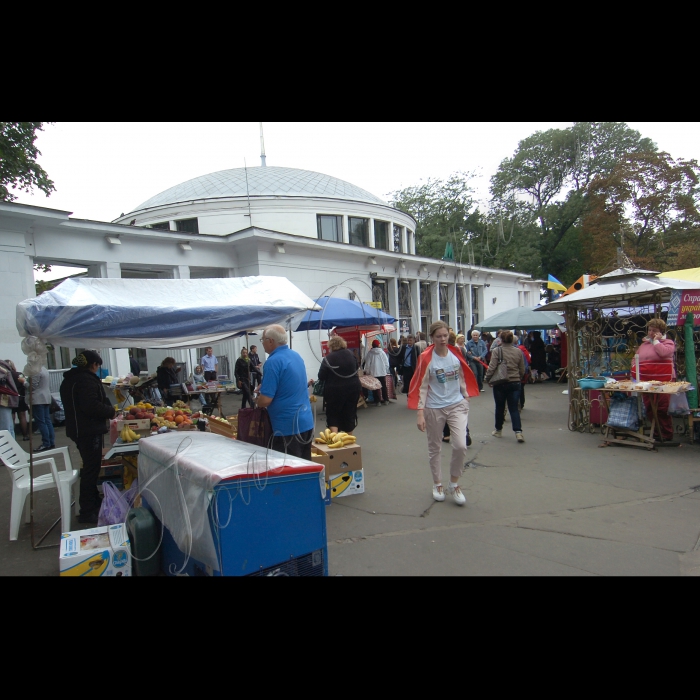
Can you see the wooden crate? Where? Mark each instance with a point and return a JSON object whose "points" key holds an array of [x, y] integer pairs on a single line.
{"points": [[222, 429]]}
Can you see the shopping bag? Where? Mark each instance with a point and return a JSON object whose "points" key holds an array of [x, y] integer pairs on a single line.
{"points": [[678, 405], [318, 388], [254, 426], [623, 412], [115, 504]]}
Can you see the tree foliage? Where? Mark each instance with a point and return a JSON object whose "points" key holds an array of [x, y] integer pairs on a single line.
{"points": [[441, 209], [18, 154], [647, 205], [551, 171]]}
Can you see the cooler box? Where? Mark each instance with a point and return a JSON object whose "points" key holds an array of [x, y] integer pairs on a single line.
{"points": [[249, 511]]}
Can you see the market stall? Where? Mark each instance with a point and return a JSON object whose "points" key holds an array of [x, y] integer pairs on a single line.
{"points": [[605, 323], [104, 313]]}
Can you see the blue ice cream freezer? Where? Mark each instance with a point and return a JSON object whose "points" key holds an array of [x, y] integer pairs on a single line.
{"points": [[233, 509]]}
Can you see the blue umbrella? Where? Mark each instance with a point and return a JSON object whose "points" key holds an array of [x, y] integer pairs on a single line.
{"points": [[336, 312]]}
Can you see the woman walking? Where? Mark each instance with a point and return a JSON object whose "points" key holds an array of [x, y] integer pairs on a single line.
{"points": [[508, 392], [394, 360], [341, 386], [440, 394], [539, 356], [242, 374]]}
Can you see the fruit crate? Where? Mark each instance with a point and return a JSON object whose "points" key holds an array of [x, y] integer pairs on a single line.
{"points": [[219, 428]]}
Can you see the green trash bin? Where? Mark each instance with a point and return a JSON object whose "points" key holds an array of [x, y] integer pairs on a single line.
{"points": [[144, 535]]}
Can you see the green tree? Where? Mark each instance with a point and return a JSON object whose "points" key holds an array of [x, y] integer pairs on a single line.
{"points": [[18, 154], [649, 206], [551, 171], [440, 208]]}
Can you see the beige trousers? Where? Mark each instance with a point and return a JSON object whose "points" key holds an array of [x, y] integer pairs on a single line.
{"points": [[457, 417]]}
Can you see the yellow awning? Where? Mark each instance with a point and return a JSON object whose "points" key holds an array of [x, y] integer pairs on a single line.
{"points": [[691, 274]]}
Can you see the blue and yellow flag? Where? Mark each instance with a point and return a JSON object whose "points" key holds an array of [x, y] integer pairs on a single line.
{"points": [[554, 283]]}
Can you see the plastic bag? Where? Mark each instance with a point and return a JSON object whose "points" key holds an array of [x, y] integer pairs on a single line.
{"points": [[623, 412], [115, 504], [678, 405]]}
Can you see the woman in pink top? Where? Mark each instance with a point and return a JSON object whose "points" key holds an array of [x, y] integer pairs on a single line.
{"points": [[656, 354]]}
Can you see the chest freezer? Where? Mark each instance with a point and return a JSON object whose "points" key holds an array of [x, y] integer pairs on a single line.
{"points": [[234, 509]]}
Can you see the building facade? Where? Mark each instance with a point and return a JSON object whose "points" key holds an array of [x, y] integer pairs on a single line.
{"points": [[325, 235]]}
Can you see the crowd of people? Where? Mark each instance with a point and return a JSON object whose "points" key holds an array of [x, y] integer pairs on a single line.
{"points": [[440, 377]]}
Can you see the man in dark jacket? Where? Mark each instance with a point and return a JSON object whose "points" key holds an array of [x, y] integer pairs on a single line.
{"points": [[87, 412]]}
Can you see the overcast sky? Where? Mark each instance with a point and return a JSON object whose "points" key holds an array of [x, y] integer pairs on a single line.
{"points": [[103, 169]]}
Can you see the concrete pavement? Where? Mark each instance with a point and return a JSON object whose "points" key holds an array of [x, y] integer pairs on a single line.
{"points": [[556, 505]]}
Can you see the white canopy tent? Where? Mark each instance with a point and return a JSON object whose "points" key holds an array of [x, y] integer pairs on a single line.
{"points": [[102, 313], [619, 288]]}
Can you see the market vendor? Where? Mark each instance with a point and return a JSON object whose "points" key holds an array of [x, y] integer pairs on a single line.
{"points": [[656, 353]]}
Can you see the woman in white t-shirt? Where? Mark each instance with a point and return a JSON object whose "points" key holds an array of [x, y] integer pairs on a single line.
{"points": [[440, 391]]}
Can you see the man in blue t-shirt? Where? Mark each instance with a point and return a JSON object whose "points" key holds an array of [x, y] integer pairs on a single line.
{"points": [[284, 392]]}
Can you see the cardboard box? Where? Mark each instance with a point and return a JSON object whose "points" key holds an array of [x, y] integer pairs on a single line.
{"points": [[342, 459], [100, 551], [346, 484], [142, 426]]}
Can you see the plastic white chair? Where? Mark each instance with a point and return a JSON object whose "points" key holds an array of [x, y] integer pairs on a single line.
{"points": [[17, 461]]}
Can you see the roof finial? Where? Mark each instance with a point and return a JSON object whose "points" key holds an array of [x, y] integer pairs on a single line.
{"points": [[262, 148]]}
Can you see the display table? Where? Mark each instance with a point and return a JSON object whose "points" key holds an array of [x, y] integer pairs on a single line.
{"points": [[634, 438]]}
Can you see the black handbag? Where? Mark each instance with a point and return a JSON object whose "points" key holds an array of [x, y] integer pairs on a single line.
{"points": [[318, 388]]}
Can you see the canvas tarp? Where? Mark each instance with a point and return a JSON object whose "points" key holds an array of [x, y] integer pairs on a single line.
{"points": [[157, 313]]}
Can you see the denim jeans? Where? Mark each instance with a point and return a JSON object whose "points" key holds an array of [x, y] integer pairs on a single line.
{"points": [[507, 393], [478, 369], [7, 421], [42, 416]]}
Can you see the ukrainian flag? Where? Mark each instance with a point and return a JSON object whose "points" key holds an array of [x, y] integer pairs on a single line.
{"points": [[554, 283]]}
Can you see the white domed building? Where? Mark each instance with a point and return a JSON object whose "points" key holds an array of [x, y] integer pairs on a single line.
{"points": [[316, 230]]}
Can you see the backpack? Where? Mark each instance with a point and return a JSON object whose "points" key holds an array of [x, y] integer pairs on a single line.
{"points": [[526, 376]]}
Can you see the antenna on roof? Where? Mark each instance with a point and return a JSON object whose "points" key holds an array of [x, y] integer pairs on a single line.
{"points": [[262, 148]]}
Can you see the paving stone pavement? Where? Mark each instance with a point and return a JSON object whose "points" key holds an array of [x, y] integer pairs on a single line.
{"points": [[555, 505]]}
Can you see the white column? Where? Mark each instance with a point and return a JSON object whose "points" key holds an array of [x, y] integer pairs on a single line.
{"points": [[181, 272], [468, 310], [415, 306], [346, 231], [173, 227], [452, 300], [371, 234], [412, 243], [435, 301], [404, 247], [393, 294]]}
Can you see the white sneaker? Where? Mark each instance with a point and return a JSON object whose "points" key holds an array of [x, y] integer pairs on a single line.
{"points": [[438, 493], [457, 494], [519, 437], [496, 433]]}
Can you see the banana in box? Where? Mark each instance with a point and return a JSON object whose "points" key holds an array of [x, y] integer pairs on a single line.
{"points": [[100, 551]]}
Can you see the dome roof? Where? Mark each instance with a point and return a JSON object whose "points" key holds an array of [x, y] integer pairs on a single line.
{"points": [[262, 182]]}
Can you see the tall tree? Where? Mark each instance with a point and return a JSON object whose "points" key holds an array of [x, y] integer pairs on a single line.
{"points": [[440, 208], [551, 171], [18, 154], [649, 205]]}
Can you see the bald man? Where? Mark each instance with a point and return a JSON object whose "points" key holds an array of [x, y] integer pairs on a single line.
{"points": [[284, 393]]}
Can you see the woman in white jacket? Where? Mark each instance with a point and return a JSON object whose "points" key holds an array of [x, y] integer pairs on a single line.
{"points": [[376, 364]]}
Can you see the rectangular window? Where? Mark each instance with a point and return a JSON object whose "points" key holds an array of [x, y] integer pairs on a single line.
{"points": [[460, 299], [405, 299], [380, 293], [397, 239], [330, 228], [65, 357], [475, 305], [381, 235], [165, 225], [187, 225], [358, 231]]}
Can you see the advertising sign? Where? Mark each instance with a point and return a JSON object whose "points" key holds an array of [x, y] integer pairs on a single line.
{"points": [[404, 327], [683, 301]]}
